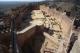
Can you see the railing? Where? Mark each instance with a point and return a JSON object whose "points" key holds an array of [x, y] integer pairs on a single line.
{"points": [[14, 44]]}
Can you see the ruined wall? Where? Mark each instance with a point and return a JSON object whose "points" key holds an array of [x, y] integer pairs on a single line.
{"points": [[63, 24]]}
